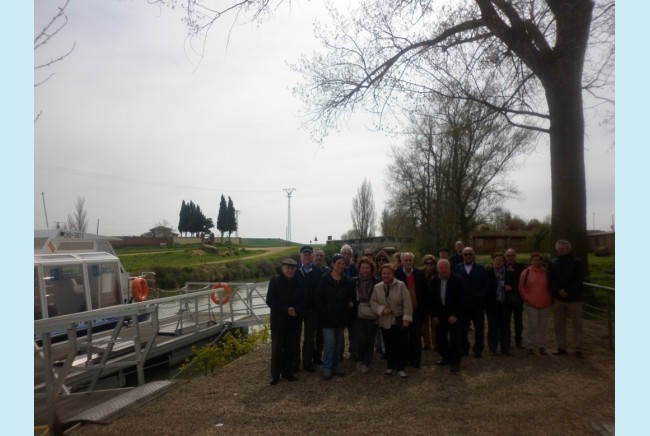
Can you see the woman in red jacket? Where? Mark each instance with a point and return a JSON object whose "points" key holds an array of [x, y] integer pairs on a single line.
{"points": [[536, 293]]}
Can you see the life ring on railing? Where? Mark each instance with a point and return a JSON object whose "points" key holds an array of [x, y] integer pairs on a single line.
{"points": [[139, 289], [226, 297]]}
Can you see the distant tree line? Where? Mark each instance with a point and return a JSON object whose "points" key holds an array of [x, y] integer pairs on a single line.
{"points": [[192, 221], [227, 218]]}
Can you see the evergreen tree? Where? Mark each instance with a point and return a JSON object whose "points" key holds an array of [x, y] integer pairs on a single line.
{"points": [[222, 218], [197, 220], [182, 218], [232, 218]]}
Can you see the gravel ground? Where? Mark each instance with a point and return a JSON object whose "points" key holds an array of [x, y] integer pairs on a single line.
{"points": [[532, 395]]}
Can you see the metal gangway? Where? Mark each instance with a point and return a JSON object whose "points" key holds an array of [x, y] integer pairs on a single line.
{"points": [[143, 331]]}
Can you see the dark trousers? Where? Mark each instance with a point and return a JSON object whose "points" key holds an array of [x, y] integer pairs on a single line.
{"points": [[475, 315], [449, 341], [498, 317], [352, 340], [517, 313], [283, 346], [395, 341], [415, 341], [366, 329], [312, 342]]}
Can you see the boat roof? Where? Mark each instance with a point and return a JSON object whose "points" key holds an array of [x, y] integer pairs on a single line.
{"points": [[65, 241], [64, 258]]}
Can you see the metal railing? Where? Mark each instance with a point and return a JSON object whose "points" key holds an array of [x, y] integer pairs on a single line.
{"points": [[602, 310], [192, 312]]}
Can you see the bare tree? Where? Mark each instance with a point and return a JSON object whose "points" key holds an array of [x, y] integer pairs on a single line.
{"points": [[531, 51], [453, 169], [49, 31], [78, 221], [363, 211], [397, 221]]}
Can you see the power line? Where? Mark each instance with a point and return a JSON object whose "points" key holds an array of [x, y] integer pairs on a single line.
{"points": [[101, 176]]}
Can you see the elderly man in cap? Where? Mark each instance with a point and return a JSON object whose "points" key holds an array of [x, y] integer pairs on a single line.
{"points": [[286, 298], [312, 344]]}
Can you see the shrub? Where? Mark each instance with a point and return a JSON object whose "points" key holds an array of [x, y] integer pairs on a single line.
{"points": [[602, 252], [209, 357]]}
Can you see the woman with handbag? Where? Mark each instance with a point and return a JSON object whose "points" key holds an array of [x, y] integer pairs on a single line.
{"points": [[366, 319], [392, 302]]}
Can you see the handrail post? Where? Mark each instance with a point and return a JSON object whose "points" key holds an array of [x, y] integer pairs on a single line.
{"points": [[609, 322]]}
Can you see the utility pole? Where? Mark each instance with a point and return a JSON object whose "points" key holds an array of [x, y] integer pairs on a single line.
{"points": [[47, 225], [237, 212], [289, 191]]}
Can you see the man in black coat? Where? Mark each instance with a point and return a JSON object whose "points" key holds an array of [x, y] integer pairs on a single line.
{"points": [[446, 309], [513, 272], [566, 275], [312, 344], [475, 290], [286, 297], [416, 283]]}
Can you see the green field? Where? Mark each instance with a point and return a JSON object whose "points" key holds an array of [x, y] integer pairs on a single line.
{"points": [[259, 258], [147, 258], [175, 265]]}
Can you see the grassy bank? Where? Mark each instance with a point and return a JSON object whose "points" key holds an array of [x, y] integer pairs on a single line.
{"points": [[176, 265]]}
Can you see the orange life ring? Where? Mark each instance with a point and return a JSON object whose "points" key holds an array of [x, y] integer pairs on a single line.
{"points": [[139, 289], [215, 298]]}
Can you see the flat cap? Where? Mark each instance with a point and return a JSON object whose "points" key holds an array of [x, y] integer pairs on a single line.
{"points": [[307, 248], [290, 262]]}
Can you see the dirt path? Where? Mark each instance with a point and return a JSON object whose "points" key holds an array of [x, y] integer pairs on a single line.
{"points": [[266, 251], [532, 395]]}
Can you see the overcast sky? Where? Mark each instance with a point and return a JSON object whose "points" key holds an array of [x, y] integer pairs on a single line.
{"points": [[131, 122]]}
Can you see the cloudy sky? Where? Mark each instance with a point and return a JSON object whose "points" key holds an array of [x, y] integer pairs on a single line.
{"points": [[132, 122]]}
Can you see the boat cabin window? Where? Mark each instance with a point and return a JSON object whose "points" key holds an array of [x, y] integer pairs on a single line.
{"points": [[104, 281], [64, 287]]}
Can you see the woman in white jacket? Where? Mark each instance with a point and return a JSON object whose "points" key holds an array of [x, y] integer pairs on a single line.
{"points": [[392, 302]]}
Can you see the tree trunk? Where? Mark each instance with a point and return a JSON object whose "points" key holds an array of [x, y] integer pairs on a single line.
{"points": [[561, 77], [568, 183]]}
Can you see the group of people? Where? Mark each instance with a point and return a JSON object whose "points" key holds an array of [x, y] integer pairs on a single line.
{"points": [[398, 310]]}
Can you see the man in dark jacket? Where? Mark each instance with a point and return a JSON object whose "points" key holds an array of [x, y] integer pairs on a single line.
{"points": [[457, 257], [513, 272], [286, 297], [416, 283], [475, 290], [312, 344], [565, 275], [446, 308]]}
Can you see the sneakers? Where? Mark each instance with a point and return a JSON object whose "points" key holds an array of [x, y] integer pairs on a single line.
{"points": [[560, 352], [365, 369], [542, 351], [402, 374], [388, 372], [338, 373]]}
